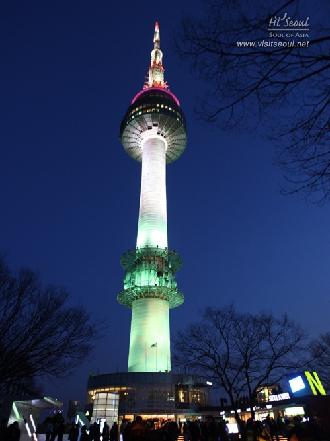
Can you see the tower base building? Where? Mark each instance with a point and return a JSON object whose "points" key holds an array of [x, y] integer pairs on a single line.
{"points": [[156, 395]]}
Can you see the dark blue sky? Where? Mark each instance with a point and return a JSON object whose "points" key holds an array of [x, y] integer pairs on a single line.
{"points": [[70, 194]]}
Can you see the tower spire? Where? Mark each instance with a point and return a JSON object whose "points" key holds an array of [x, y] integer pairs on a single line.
{"points": [[156, 36], [156, 69]]}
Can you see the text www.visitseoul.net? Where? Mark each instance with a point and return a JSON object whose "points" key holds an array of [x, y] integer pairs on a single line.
{"points": [[265, 43]]}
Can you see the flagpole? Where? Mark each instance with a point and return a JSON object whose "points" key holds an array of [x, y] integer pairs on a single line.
{"points": [[155, 345]]}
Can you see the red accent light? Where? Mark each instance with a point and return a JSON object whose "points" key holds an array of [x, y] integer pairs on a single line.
{"points": [[155, 88], [156, 26]]}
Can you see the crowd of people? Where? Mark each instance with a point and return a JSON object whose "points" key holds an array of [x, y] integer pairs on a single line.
{"points": [[211, 430], [269, 429], [54, 427], [95, 432], [139, 429], [11, 432], [294, 429]]}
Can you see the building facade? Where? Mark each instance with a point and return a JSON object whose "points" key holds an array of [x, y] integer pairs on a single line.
{"points": [[151, 394]]}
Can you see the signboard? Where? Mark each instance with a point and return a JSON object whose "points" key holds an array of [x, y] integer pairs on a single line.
{"points": [[307, 383], [279, 397]]}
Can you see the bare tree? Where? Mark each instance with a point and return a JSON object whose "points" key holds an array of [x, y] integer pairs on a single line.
{"points": [[321, 357], [254, 75], [40, 334], [241, 352]]}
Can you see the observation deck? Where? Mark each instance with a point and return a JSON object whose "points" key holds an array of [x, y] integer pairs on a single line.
{"points": [[155, 110], [150, 274]]}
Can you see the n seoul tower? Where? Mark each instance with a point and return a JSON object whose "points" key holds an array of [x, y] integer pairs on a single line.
{"points": [[152, 132]]}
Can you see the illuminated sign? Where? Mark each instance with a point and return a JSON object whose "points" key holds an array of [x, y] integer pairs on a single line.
{"points": [[297, 384], [315, 383], [293, 411], [279, 397], [301, 382]]}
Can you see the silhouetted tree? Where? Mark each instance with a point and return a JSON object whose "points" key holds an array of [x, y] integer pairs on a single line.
{"points": [[241, 352], [285, 89], [40, 334], [321, 357]]}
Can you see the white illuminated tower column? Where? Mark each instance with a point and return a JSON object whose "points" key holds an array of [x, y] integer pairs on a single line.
{"points": [[153, 132]]}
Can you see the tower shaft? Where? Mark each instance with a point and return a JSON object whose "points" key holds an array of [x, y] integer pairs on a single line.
{"points": [[152, 227], [149, 349]]}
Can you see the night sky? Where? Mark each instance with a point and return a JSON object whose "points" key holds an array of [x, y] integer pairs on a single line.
{"points": [[70, 194]]}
